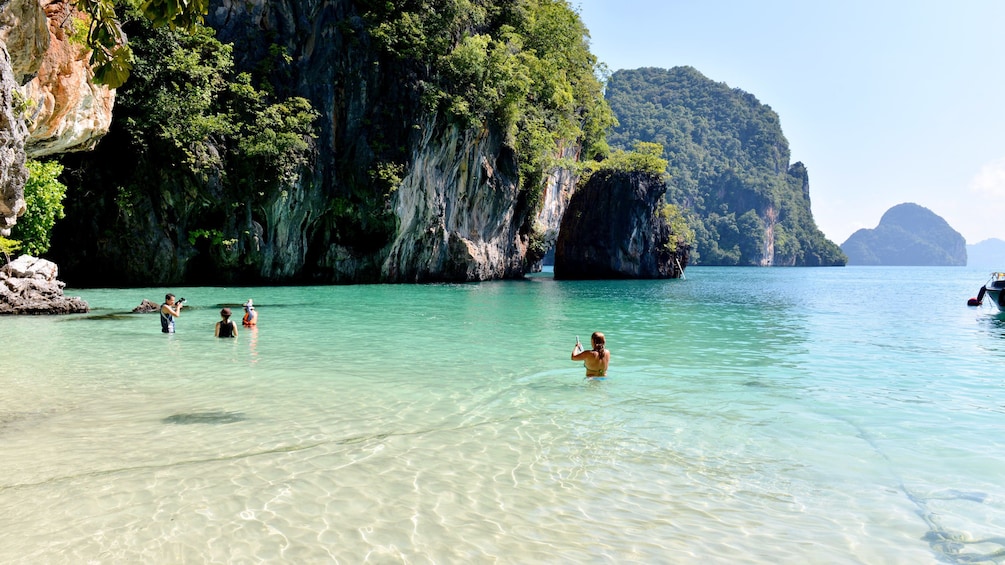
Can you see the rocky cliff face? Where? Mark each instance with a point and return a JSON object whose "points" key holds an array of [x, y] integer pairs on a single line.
{"points": [[68, 112], [452, 217], [393, 191], [458, 213], [47, 104], [13, 173], [456, 210], [24, 31], [614, 229]]}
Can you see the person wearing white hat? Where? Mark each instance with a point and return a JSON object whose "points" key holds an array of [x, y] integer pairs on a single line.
{"points": [[250, 314]]}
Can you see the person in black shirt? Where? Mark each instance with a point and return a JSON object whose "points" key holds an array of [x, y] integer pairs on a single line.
{"points": [[226, 327]]}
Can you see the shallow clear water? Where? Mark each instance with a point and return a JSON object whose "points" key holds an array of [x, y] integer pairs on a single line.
{"points": [[841, 415]]}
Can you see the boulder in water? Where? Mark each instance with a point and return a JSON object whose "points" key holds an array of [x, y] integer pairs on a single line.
{"points": [[28, 285]]}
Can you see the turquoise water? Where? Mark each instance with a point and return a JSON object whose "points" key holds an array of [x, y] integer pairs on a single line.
{"points": [[834, 415]]}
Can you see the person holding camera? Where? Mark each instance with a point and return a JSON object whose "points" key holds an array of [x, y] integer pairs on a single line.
{"points": [[169, 311]]}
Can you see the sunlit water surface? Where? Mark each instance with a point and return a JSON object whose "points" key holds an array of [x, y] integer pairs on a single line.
{"points": [[845, 415]]}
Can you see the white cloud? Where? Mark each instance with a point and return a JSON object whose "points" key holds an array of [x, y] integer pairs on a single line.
{"points": [[990, 181]]}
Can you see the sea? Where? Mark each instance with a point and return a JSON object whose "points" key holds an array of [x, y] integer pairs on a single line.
{"points": [[750, 416]]}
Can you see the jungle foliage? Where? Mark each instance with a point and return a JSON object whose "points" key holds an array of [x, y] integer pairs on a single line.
{"points": [[43, 197], [728, 164], [187, 106], [522, 66], [645, 157], [111, 55], [210, 149]]}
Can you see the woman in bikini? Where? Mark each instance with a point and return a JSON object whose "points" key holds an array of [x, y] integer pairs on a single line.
{"points": [[596, 359]]}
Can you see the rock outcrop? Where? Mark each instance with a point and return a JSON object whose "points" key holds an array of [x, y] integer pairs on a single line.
{"points": [[57, 109], [146, 306], [614, 228], [907, 235], [456, 212], [28, 285], [13, 173], [68, 112]]}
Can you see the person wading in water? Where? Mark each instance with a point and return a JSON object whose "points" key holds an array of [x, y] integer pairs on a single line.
{"points": [[226, 327], [169, 311], [597, 359]]}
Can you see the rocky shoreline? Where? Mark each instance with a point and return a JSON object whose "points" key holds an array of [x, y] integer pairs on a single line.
{"points": [[28, 285]]}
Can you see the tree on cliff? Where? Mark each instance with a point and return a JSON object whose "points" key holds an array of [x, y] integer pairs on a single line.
{"points": [[43, 196], [111, 56], [211, 155], [728, 165], [524, 67]]}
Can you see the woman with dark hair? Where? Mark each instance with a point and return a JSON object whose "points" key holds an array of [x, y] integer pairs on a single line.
{"points": [[597, 359], [226, 327]]}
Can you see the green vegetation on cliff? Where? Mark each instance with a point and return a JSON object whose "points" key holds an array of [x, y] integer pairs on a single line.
{"points": [[43, 197], [111, 55], [728, 166], [215, 169], [208, 152], [522, 67]]}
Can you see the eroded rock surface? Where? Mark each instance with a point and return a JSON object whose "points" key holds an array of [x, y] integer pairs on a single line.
{"points": [[614, 229], [28, 285]]}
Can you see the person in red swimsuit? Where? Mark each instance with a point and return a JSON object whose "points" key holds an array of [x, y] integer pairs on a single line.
{"points": [[250, 315]]}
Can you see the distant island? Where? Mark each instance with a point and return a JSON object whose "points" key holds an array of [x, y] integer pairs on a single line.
{"points": [[907, 235], [988, 253]]}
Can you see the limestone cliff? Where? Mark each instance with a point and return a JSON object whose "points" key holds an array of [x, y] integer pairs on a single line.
{"points": [[13, 173], [23, 40], [24, 31], [614, 229], [68, 112], [459, 213], [47, 102], [394, 189], [455, 209]]}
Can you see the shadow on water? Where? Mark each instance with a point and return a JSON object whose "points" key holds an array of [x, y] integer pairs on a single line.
{"points": [[205, 418], [113, 316], [949, 546]]}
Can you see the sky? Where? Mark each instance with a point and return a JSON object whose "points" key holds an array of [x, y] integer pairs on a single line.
{"points": [[884, 101]]}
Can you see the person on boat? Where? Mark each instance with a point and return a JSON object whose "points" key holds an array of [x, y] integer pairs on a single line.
{"points": [[225, 327], [597, 359], [169, 311], [250, 315]]}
